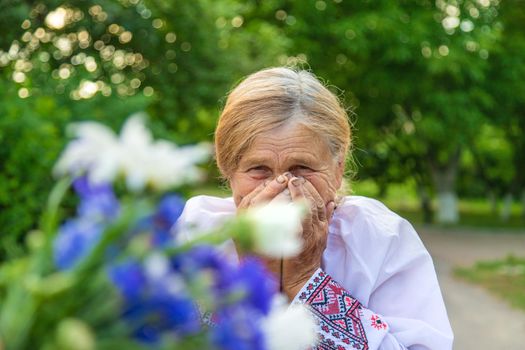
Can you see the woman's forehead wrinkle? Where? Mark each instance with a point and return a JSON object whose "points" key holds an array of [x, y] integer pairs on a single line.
{"points": [[287, 146], [285, 157], [281, 147]]}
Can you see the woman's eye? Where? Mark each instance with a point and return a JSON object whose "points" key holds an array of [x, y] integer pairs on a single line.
{"points": [[258, 171], [300, 168]]}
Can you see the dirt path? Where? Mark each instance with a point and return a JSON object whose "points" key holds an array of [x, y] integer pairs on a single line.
{"points": [[480, 320]]}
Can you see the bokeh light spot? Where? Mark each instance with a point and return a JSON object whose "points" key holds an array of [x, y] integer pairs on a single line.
{"points": [[148, 91], [281, 15], [237, 21], [171, 37], [443, 50], [157, 23], [320, 5], [56, 19], [23, 93]]}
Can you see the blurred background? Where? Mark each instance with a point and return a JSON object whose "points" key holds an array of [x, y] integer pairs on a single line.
{"points": [[435, 88]]}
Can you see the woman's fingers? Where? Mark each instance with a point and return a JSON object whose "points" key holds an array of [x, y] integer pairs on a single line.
{"points": [[317, 200], [265, 192], [298, 194], [296, 189], [246, 200], [307, 191], [272, 189]]}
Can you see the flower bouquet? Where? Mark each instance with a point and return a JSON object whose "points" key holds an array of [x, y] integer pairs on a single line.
{"points": [[115, 275]]}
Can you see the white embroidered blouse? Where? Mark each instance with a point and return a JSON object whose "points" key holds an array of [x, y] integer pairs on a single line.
{"points": [[376, 288]]}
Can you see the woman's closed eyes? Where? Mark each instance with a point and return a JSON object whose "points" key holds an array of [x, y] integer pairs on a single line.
{"points": [[261, 171], [300, 168]]}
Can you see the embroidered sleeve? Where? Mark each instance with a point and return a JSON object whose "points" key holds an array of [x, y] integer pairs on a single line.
{"points": [[343, 323]]}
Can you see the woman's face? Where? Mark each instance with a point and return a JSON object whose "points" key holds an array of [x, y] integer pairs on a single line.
{"points": [[291, 148]]}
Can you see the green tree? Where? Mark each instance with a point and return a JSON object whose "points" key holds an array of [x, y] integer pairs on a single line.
{"points": [[412, 65], [63, 61], [506, 84]]}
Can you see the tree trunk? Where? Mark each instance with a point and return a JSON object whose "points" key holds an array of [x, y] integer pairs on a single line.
{"points": [[445, 180], [493, 202], [382, 189], [506, 208], [426, 205], [523, 204], [447, 207]]}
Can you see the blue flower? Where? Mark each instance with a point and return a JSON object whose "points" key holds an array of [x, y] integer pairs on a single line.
{"points": [[168, 212], [129, 278], [76, 237], [257, 283], [74, 241], [237, 328], [206, 258], [251, 279], [153, 317], [153, 305], [160, 224], [96, 201], [199, 258]]}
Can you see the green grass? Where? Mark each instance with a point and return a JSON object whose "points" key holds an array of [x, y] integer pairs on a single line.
{"points": [[473, 212], [505, 278]]}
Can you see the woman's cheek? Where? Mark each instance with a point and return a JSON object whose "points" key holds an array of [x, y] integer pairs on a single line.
{"points": [[323, 186], [242, 186], [250, 184]]}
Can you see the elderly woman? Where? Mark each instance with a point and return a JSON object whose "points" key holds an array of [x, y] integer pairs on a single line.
{"points": [[363, 271]]}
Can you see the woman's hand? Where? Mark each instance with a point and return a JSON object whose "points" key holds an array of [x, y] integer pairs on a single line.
{"points": [[265, 192], [297, 270]]}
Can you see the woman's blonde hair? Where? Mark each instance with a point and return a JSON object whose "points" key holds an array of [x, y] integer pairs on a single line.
{"points": [[271, 98]]}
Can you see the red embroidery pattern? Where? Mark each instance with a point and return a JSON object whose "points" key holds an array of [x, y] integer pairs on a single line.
{"points": [[337, 313], [377, 323]]}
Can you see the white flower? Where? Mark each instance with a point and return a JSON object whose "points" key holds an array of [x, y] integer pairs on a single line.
{"points": [[277, 229], [290, 328], [135, 141], [96, 147], [169, 165], [134, 155]]}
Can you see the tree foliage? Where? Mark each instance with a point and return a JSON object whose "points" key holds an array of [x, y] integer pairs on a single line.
{"points": [[436, 85]]}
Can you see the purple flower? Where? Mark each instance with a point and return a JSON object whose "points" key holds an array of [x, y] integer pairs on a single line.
{"points": [[74, 241]]}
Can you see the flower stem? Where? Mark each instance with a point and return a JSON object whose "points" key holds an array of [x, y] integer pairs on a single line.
{"points": [[49, 220]]}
